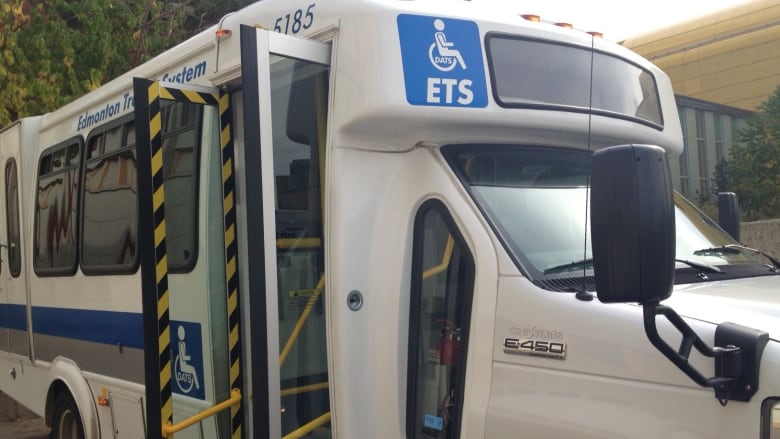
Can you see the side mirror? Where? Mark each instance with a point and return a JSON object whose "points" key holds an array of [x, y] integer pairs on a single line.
{"points": [[728, 213], [632, 224]]}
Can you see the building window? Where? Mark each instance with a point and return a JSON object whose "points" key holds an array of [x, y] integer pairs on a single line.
{"points": [[56, 210], [684, 183], [735, 127], [701, 146], [720, 151]]}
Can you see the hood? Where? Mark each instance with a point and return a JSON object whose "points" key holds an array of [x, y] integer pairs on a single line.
{"points": [[752, 302]]}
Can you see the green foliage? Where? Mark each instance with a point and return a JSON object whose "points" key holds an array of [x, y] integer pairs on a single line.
{"points": [[53, 51], [721, 179], [754, 167], [13, 91], [204, 13], [708, 202]]}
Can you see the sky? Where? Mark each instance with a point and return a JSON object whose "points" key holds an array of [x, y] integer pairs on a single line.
{"points": [[616, 19]]}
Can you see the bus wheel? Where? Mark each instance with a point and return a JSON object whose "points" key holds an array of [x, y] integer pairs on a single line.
{"points": [[67, 420]]}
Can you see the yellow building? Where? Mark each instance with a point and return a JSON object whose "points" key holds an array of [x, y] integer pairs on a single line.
{"points": [[722, 67], [731, 57]]}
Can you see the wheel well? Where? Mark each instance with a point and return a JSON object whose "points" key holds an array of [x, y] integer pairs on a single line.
{"points": [[56, 387]]}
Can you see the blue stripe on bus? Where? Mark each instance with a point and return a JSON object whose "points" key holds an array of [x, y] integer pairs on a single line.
{"points": [[13, 316], [108, 327]]}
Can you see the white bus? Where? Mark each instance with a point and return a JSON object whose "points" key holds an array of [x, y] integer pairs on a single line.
{"points": [[371, 218]]}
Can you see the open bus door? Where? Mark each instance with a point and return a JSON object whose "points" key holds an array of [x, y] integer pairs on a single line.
{"points": [[191, 333], [278, 230], [285, 101]]}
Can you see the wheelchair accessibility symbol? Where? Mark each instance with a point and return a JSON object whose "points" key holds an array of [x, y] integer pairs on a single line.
{"points": [[442, 53], [442, 61], [188, 360]]}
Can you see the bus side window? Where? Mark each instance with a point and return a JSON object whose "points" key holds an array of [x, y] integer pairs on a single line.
{"points": [[110, 215], [440, 311], [56, 211], [12, 217]]}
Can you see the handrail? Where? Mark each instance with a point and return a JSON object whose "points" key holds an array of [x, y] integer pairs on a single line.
{"points": [[446, 257], [297, 243], [169, 429], [308, 428], [301, 320], [445, 260], [305, 389]]}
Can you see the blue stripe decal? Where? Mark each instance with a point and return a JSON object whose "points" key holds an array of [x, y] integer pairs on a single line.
{"points": [[13, 316], [108, 327]]}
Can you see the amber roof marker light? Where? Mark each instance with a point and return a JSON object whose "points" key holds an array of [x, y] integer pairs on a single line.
{"points": [[223, 33]]}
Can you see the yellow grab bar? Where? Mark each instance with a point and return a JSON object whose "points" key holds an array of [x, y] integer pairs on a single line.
{"points": [[298, 243], [304, 389], [445, 260], [308, 428], [169, 429]]}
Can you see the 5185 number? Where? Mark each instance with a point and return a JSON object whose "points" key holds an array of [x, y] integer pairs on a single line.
{"points": [[295, 21]]}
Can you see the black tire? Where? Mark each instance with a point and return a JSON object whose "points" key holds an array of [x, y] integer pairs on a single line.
{"points": [[66, 419]]}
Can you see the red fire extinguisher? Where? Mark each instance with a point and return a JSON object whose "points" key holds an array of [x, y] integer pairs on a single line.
{"points": [[448, 346]]}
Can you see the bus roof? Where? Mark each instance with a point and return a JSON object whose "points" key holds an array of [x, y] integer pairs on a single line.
{"points": [[394, 84]]}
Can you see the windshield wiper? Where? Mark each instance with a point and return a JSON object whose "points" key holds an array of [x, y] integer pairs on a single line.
{"points": [[700, 266], [722, 249], [734, 249], [583, 263]]}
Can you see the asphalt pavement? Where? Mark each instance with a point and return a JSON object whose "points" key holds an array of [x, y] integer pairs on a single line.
{"points": [[16, 422], [23, 428]]}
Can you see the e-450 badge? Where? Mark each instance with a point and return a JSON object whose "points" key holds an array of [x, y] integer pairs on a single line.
{"points": [[538, 348]]}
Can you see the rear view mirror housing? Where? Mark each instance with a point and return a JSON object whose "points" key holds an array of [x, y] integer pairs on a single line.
{"points": [[728, 213], [633, 231], [632, 224]]}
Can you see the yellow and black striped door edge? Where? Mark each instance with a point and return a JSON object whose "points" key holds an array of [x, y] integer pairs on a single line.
{"points": [[156, 92]]}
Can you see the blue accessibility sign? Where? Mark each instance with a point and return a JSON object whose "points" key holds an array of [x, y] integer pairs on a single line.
{"points": [[442, 61], [187, 355]]}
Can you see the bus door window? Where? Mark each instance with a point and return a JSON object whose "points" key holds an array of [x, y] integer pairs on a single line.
{"points": [[299, 100], [442, 288], [181, 133]]}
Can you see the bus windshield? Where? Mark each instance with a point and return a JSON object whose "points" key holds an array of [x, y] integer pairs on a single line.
{"points": [[536, 200]]}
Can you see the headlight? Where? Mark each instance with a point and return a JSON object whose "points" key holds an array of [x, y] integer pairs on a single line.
{"points": [[770, 418]]}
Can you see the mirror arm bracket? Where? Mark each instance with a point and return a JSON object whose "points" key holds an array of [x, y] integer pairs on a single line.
{"points": [[737, 353]]}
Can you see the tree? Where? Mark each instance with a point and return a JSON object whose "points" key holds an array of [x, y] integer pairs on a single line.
{"points": [[754, 167], [53, 51], [204, 13], [13, 18], [721, 181]]}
